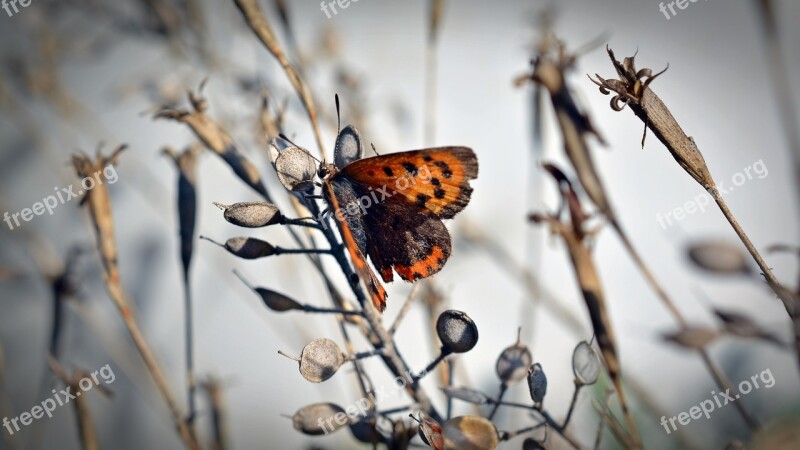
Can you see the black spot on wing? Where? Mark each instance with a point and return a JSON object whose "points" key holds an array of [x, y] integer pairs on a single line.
{"points": [[388, 171], [410, 167]]}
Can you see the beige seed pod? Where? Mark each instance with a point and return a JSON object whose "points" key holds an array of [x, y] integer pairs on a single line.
{"points": [[319, 360], [585, 363], [319, 418], [296, 169], [251, 214], [470, 433], [718, 257], [512, 364]]}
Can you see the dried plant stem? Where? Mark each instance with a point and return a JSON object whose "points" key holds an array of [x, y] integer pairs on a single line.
{"points": [[258, 23], [5, 404], [214, 390], [86, 428], [548, 419], [719, 376], [100, 208]]}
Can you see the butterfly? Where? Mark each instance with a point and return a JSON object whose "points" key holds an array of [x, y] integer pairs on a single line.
{"points": [[390, 207]]}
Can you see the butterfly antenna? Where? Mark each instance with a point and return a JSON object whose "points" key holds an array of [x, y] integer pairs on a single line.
{"points": [[338, 116], [373, 149]]}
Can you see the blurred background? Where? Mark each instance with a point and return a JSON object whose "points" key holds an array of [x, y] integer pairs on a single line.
{"points": [[76, 74]]}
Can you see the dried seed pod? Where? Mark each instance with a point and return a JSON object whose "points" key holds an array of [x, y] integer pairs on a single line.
{"points": [[692, 337], [364, 431], [585, 363], [466, 394], [457, 331], [513, 363], [719, 257], [251, 214], [296, 169], [277, 301], [319, 360], [348, 148], [537, 383], [319, 418], [470, 433], [246, 248], [430, 431]]}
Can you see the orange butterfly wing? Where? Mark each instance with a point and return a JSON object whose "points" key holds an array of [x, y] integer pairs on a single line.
{"points": [[434, 179]]}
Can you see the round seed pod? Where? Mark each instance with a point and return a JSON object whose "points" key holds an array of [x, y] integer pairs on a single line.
{"points": [[585, 363], [513, 363], [537, 383], [251, 214], [320, 360], [249, 248], [296, 169], [718, 257], [277, 301], [457, 331], [470, 433], [348, 148], [315, 420]]}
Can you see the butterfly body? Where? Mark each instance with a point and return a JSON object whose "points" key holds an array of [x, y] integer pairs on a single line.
{"points": [[390, 208]]}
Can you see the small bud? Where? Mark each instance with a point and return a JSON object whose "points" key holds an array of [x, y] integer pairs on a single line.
{"points": [[296, 169], [319, 360], [513, 363], [316, 420], [251, 214], [537, 383], [466, 394], [470, 433], [585, 363], [457, 331], [719, 257]]}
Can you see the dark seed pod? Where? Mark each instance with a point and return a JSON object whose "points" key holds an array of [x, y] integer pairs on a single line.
{"points": [[277, 301], [470, 433], [513, 363], [718, 257], [585, 363], [251, 214], [364, 431], [249, 248], [537, 383], [430, 431], [348, 148], [457, 331], [319, 418], [319, 360]]}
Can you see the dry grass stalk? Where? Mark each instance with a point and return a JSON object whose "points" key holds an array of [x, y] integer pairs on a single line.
{"points": [[86, 428], [258, 23], [575, 238], [100, 211], [214, 390]]}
